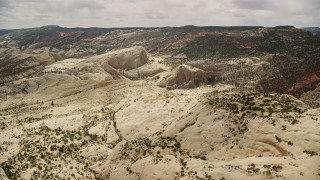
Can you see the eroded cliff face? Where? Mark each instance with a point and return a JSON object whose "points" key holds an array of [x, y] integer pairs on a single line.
{"points": [[135, 113]]}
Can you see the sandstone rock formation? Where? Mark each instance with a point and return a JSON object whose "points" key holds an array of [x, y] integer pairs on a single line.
{"points": [[180, 56], [16, 66], [148, 70], [186, 76], [96, 68], [128, 59]]}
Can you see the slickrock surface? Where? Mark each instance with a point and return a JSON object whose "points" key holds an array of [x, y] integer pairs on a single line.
{"points": [[161, 111]]}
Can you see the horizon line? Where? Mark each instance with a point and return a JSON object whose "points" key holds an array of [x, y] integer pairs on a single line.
{"points": [[151, 27]]}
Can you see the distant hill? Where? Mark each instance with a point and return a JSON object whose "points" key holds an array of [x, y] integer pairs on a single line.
{"points": [[313, 30], [5, 31]]}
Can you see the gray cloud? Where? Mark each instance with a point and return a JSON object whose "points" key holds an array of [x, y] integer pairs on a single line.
{"points": [[4, 4], [254, 4], [199, 5], [120, 13], [155, 15]]}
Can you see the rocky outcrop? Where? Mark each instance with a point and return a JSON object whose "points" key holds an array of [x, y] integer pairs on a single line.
{"points": [[32, 84], [97, 68], [312, 98], [186, 76], [13, 67], [180, 56], [147, 70], [107, 66], [127, 59]]}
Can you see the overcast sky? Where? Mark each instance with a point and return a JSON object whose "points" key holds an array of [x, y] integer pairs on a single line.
{"points": [[156, 13]]}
